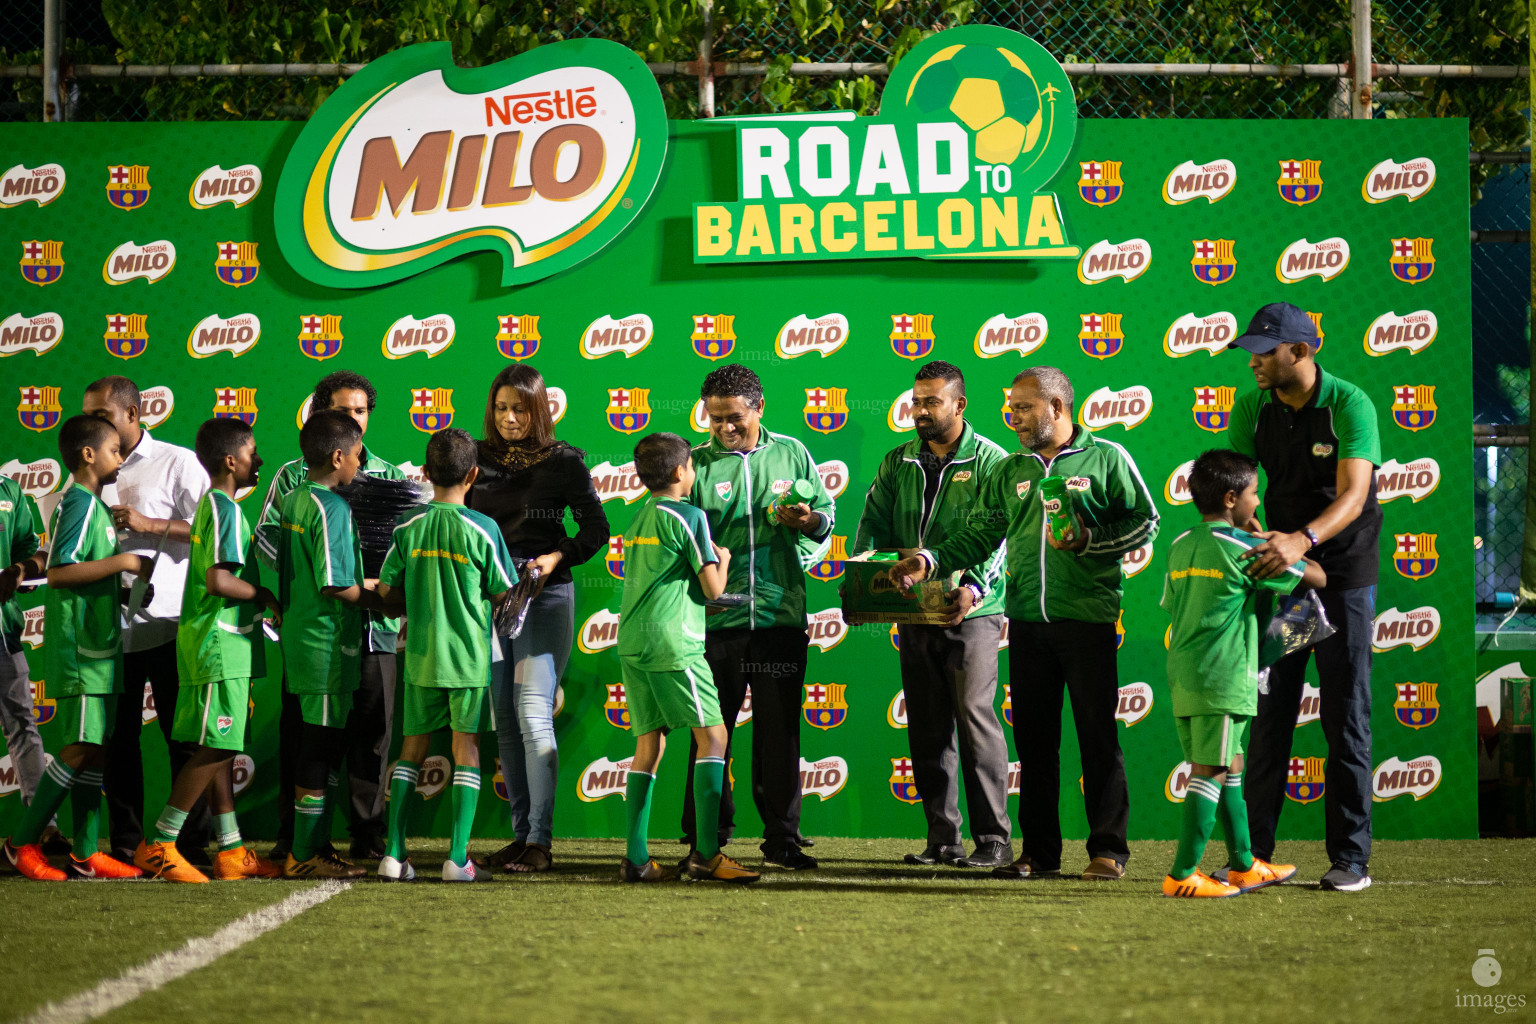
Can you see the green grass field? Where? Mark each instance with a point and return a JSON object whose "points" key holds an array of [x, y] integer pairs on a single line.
{"points": [[864, 938]]}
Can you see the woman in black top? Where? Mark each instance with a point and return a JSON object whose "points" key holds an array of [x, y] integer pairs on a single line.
{"points": [[527, 483]]}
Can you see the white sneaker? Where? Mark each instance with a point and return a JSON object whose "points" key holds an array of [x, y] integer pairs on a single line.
{"points": [[468, 873], [391, 870]]}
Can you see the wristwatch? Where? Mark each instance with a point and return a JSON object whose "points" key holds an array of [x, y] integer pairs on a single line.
{"points": [[1311, 535]]}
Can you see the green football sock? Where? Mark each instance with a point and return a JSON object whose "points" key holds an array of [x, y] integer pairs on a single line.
{"points": [[637, 815], [466, 797], [308, 816], [52, 788], [1234, 821], [227, 831], [402, 783], [168, 825], [708, 782], [1195, 831], [85, 795]]}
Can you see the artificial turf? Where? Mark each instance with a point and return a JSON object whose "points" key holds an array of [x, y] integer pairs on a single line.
{"points": [[863, 938]]}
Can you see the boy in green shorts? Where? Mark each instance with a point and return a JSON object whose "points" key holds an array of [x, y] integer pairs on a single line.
{"points": [[446, 568], [1213, 661], [322, 593], [671, 567], [218, 652], [82, 654]]}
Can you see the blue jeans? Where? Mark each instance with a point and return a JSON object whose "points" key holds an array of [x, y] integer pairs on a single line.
{"points": [[524, 695]]}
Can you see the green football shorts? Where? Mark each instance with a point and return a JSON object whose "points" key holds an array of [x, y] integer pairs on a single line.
{"points": [[214, 714], [87, 718], [328, 709], [681, 699], [1213, 739], [463, 709]]}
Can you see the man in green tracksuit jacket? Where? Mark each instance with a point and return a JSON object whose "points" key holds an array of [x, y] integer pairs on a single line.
{"points": [[948, 673], [761, 642], [370, 724], [1063, 603]]}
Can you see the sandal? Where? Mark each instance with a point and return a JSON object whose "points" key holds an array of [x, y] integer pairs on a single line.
{"points": [[533, 858], [507, 854]]}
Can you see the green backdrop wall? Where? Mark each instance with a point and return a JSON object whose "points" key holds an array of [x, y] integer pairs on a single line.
{"points": [[1426, 769]]}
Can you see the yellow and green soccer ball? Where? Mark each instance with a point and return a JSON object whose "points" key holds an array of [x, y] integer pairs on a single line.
{"points": [[989, 90]]}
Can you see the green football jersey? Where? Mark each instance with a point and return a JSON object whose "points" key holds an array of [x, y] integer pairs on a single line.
{"points": [[218, 639], [317, 547], [83, 627], [661, 617], [449, 560], [1213, 649], [18, 540]]}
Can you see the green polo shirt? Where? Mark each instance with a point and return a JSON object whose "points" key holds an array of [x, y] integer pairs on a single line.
{"points": [[317, 548], [661, 617], [217, 638], [82, 626]]}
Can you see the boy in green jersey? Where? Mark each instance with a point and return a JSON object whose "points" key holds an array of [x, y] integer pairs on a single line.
{"points": [[323, 595], [1213, 661], [447, 567], [219, 650], [671, 567], [82, 654]]}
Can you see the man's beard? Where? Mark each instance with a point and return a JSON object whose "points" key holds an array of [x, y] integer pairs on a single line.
{"points": [[1041, 437], [934, 430]]}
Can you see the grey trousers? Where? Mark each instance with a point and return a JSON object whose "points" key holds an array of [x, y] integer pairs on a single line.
{"points": [[16, 718], [950, 678]]}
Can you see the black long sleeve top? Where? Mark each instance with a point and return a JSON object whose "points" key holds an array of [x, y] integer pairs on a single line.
{"points": [[529, 505]]}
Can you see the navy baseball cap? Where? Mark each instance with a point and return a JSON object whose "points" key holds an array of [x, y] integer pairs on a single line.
{"points": [[1276, 324]]}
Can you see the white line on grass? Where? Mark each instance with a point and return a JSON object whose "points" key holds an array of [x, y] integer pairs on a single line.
{"points": [[197, 953]]}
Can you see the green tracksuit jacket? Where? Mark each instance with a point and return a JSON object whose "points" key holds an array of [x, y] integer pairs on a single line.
{"points": [[768, 561], [896, 515], [1046, 584]]}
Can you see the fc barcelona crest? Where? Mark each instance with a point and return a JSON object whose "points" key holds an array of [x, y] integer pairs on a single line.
{"points": [[912, 334], [616, 707], [1305, 780], [127, 334], [614, 557], [1101, 336], [1413, 406], [235, 404], [714, 335], [1301, 181], [39, 408], [1414, 555], [831, 567], [1007, 411], [43, 707], [517, 337], [1412, 261], [826, 409], [1008, 704], [320, 335], [903, 787], [1317, 325], [237, 264], [1213, 407], [824, 706], [1213, 261], [431, 409], [127, 186], [629, 409], [1100, 183], [1416, 705], [42, 262]]}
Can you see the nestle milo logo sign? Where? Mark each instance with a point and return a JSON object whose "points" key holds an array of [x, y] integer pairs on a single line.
{"points": [[544, 158], [973, 122]]}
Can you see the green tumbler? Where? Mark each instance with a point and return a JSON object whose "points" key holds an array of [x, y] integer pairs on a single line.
{"points": [[1057, 503]]}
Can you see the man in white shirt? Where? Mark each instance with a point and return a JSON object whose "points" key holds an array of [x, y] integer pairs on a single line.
{"points": [[157, 490]]}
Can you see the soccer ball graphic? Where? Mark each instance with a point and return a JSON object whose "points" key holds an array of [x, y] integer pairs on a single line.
{"points": [[990, 90]]}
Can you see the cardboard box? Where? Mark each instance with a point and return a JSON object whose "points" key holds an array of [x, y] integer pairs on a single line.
{"points": [[869, 596]]}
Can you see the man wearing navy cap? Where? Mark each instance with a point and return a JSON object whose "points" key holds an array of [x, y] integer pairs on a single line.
{"points": [[1317, 438]]}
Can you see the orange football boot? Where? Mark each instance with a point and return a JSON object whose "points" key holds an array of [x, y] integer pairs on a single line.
{"points": [[1197, 886], [243, 862], [163, 860], [1261, 874], [30, 861], [99, 865]]}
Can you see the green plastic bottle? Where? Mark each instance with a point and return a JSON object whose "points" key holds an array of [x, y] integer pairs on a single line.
{"points": [[1057, 502], [800, 492]]}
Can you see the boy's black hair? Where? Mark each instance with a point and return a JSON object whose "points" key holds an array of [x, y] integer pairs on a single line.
{"points": [[733, 381], [1216, 472], [218, 438], [656, 456], [450, 456], [79, 433], [325, 432], [342, 380], [949, 373]]}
